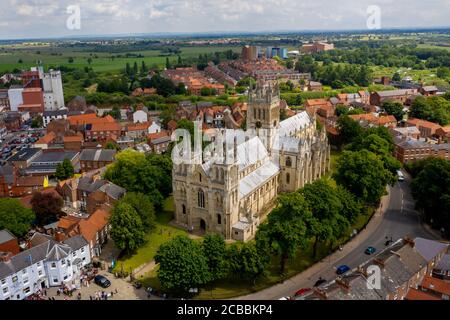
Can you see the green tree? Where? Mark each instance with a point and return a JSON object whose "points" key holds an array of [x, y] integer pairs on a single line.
{"points": [[143, 206], [112, 146], [15, 217], [37, 122], [246, 262], [431, 190], [363, 173], [168, 65], [127, 229], [47, 207], [348, 129], [396, 77], [328, 223], [394, 108], [286, 229], [351, 207], [64, 170], [443, 72], [215, 251], [182, 265]]}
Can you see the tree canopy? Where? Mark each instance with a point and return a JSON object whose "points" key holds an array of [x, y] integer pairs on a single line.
{"points": [[127, 229], [64, 170], [47, 207], [182, 265], [15, 217]]}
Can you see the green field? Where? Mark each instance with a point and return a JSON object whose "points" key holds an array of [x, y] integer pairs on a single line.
{"points": [[59, 56]]}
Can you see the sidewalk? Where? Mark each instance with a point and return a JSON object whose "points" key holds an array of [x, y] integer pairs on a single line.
{"points": [[295, 282]]}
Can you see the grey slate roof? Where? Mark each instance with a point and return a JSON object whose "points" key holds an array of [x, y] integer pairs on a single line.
{"points": [[429, 249], [50, 251], [444, 263], [25, 155], [7, 172], [76, 242], [113, 191], [97, 155], [6, 236]]}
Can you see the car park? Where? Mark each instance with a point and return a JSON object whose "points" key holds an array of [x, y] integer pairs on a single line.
{"points": [[342, 269]]}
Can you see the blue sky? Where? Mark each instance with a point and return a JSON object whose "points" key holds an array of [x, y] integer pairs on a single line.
{"points": [[47, 18]]}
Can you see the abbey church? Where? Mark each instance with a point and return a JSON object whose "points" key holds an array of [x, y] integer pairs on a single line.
{"points": [[233, 194]]}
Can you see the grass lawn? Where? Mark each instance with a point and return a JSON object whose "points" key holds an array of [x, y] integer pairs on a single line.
{"points": [[161, 234]]}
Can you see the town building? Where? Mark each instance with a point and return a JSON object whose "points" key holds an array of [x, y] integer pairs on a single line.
{"points": [[48, 264], [50, 115], [233, 194], [427, 129], [95, 229], [407, 150], [250, 53], [46, 162], [377, 98], [91, 159], [53, 90], [316, 47], [8, 243]]}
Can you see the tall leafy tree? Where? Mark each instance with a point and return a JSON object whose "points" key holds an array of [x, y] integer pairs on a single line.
{"points": [[286, 229], [47, 207], [182, 265], [15, 217], [363, 173], [64, 170], [127, 229], [348, 128], [143, 206], [246, 262], [215, 251], [394, 108], [326, 209]]}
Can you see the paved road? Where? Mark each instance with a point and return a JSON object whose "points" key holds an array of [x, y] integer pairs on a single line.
{"points": [[400, 219]]}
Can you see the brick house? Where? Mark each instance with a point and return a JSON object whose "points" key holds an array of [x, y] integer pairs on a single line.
{"points": [[73, 142], [401, 95], [103, 131], [427, 129], [91, 159], [8, 242], [407, 150]]}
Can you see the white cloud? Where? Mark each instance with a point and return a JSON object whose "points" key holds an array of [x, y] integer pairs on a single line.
{"points": [[130, 16]]}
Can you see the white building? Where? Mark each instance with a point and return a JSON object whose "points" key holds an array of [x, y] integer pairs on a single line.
{"points": [[15, 97], [140, 116], [53, 115], [154, 128], [45, 265], [53, 90]]}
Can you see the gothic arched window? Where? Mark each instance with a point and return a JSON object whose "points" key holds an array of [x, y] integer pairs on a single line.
{"points": [[201, 198], [288, 178], [183, 208], [219, 219], [288, 162]]}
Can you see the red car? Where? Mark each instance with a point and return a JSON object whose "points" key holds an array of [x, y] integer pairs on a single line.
{"points": [[302, 291]]}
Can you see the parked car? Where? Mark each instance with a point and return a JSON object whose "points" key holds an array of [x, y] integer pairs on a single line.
{"points": [[302, 291], [320, 282], [370, 250], [342, 269], [102, 281], [285, 298]]}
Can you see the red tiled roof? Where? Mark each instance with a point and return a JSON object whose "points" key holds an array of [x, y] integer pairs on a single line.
{"points": [[157, 135], [414, 294], [49, 137], [138, 126], [436, 285], [76, 138]]}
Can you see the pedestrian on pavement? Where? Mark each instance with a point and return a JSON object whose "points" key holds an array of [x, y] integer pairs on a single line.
{"points": [[112, 294], [90, 298]]}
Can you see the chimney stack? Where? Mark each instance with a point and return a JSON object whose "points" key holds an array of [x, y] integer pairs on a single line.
{"points": [[5, 256]]}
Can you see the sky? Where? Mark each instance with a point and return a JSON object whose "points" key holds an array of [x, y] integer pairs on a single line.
{"points": [[48, 18]]}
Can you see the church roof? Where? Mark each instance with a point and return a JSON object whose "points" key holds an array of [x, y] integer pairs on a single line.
{"points": [[292, 124], [257, 178], [250, 152]]}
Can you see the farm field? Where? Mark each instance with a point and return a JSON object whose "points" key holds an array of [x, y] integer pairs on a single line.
{"points": [[101, 61]]}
